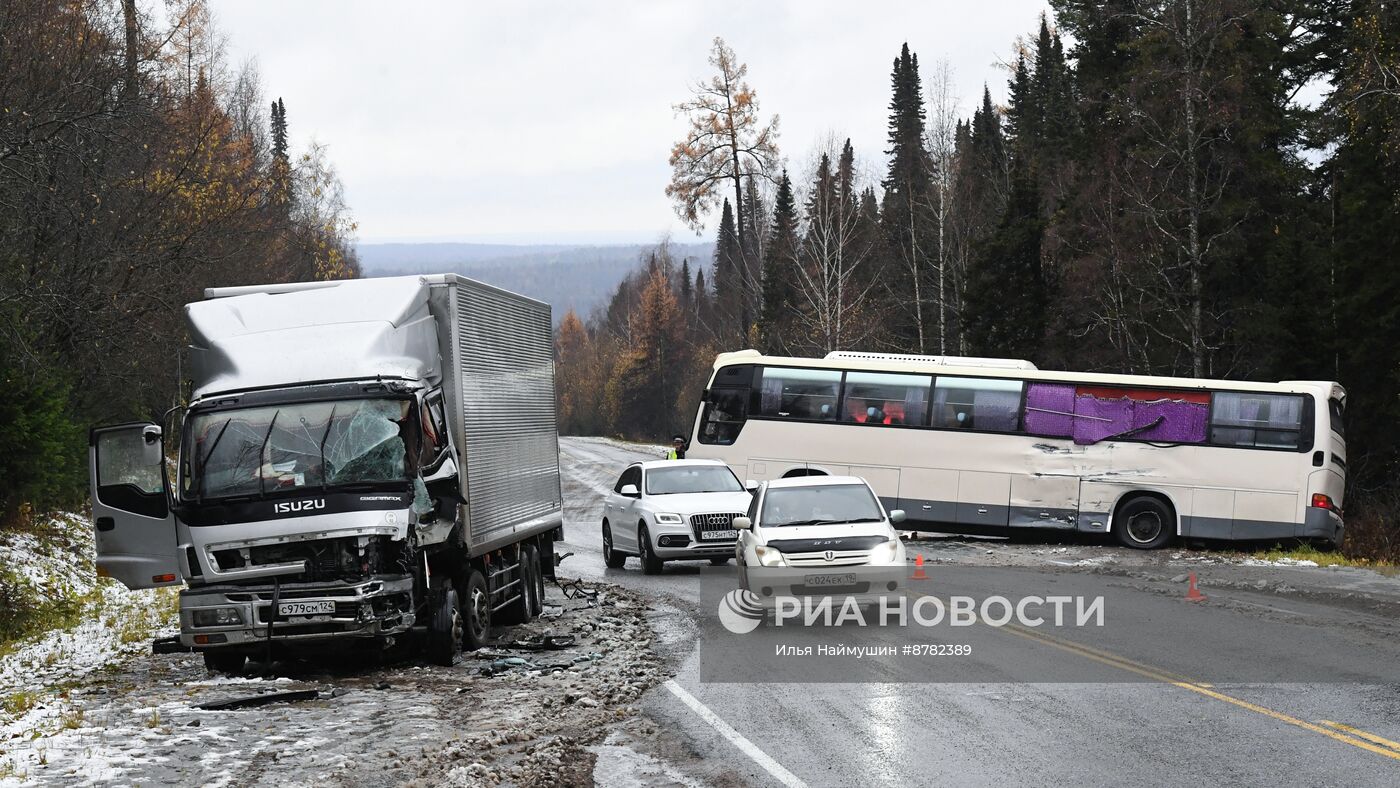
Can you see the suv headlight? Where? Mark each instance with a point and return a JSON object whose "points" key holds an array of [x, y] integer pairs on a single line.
{"points": [[669, 518], [218, 617], [768, 556]]}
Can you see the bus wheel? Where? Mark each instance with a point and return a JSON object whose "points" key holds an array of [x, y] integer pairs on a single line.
{"points": [[1144, 523]]}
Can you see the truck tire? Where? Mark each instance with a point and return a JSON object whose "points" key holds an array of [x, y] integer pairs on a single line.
{"points": [[1144, 522], [221, 661], [651, 565], [611, 557], [446, 633], [537, 576], [518, 612], [476, 611]]}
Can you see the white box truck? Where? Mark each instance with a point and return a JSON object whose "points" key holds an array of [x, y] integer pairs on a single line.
{"points": [[361, 462]]}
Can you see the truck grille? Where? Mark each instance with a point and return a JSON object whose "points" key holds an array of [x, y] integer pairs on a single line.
{"points": [[723, 521]]}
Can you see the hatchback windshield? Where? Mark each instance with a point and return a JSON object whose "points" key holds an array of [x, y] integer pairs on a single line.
{"points": [[826, 504], [251, 451], [692, 479]]}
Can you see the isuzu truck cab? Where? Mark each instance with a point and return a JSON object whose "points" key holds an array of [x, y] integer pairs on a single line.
{"points": [[360, 463]]}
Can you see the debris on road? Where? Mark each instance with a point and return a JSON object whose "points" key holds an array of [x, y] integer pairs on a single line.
{"points": [[266, 699]]}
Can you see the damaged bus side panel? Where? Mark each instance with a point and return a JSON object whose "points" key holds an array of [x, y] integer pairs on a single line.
{"points": [[361, 461]]}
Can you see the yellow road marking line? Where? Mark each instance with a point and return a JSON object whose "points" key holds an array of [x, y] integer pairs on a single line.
{"points": [[1122, 663], [1357, 732]]}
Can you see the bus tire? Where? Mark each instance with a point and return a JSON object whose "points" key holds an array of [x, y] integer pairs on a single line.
{"points": [[611, 556], [651, 565], [1144, 522]]}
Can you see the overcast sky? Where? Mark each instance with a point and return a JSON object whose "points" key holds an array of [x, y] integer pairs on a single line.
{"points": [[551, 121]]}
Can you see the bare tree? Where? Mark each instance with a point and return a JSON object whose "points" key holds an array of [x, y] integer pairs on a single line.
{"points": [[942, 147]]}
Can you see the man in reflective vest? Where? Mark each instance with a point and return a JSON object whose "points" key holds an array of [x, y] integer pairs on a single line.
{"points": [[677, 450]]}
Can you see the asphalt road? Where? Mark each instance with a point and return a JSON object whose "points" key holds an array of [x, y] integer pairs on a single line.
{"points": [[1280, 686]]}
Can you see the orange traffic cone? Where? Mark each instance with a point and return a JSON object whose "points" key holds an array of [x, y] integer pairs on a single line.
{"points": [[918, 568], [1193, 594]]}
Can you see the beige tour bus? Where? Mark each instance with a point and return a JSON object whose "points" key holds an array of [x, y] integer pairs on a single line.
{"points": [[974, 445]]}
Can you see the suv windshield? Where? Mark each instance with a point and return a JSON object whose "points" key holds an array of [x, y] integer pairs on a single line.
{"points": [[692, 479], [253, 451], [821, 505]]}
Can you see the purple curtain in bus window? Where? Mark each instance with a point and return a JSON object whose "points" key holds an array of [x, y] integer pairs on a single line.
{"points": [[1096, 419], [1182, 422], [1050, 409]]}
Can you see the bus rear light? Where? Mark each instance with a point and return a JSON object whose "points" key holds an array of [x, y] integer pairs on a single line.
{"points": [[1323, 501]]}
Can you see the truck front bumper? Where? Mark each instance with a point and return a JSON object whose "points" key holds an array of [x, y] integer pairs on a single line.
{"points": [[366, 609]]}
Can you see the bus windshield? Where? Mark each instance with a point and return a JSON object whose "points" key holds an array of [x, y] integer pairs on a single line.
{"points": [[255, 451], [826, 504]]}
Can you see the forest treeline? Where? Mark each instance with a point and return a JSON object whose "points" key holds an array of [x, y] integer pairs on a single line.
{"points": [[1153, 198], [137, 167]]}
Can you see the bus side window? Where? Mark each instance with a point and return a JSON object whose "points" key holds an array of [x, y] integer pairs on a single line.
{"points": [[1257, 420], [884, 398], [794, 393], [987, 404], [725, 414]]}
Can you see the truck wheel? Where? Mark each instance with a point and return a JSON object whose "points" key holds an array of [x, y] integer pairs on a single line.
{"points": [[446, 634], [651, 565], [476, 611], [537, 577], [518, 612], [1144, 523], [230, 662], [611, 557]]}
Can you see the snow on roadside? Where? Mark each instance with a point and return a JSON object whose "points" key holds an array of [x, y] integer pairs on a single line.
{"points": [[53, 569], [1284, 561]]}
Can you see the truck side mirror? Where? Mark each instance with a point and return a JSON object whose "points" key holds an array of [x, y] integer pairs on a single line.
{"points": [[742, 523], [152, 448]]}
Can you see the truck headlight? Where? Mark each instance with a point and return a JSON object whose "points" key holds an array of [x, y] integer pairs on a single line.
{"points": [[218, 617], [767, 556], [669, 518]]}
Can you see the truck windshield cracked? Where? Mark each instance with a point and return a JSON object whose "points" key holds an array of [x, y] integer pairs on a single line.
{"points": [[251, 451]]}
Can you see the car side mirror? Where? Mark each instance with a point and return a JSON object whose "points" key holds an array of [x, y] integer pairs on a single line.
{"points": [[630, 491], [896, 516], [750, 485], [742, 523]]}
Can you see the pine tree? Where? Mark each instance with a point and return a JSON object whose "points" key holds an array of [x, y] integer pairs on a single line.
{"points": [[281, 161], [730, 292], [1004, 305], [780, 253], [687, 295], [908, 197]]}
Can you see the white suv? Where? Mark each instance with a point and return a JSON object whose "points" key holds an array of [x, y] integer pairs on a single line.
{"points": [[669, 510], [815, 536]]}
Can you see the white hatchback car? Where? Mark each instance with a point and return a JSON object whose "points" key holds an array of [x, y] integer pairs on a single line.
{"points": [[813, 536], [669, 510]]}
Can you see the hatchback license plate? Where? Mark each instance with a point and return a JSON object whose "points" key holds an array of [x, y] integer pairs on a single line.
{"points": [[316, 607], [829, 580]]}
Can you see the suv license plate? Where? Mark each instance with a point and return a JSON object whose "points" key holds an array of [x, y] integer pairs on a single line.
{"points": [[315, 607], [829, 580], [715, 536]]}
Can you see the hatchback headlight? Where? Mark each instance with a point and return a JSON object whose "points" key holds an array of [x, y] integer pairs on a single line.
{"points": [[218, 617], [669, 518], [887, 553], [768, 556]]}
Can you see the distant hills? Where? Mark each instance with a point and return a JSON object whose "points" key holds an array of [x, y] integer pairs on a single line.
{"points": [[578, 277]]}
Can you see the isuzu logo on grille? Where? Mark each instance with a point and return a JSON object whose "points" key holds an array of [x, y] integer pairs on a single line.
{"points": [[298, 506]]}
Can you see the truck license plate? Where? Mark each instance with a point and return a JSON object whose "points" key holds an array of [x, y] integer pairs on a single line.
{"points": [[829, 580], [315, 607]]}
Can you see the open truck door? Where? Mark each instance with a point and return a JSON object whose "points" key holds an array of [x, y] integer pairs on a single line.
{"points": [[130, 508]]}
